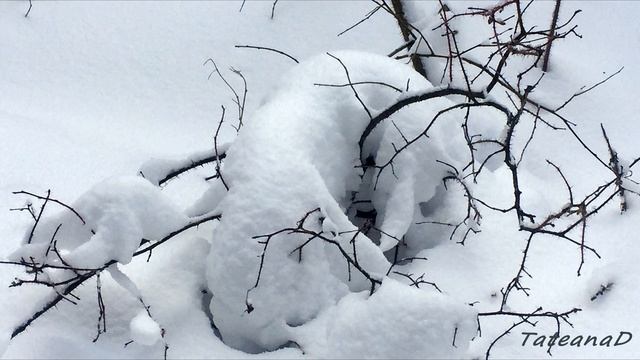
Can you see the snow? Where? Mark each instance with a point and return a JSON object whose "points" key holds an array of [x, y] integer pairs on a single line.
{"points": [[92, 91], [116, 215], [299, 174], [5, 338], [156, 170], [395, 322], [123, 280], [144, 330], [208, 201]]}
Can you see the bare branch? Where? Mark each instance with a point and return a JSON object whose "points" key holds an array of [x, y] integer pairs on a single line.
{"points": [[268, 49]]}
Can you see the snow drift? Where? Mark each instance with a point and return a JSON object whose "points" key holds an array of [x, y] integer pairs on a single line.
{"points": [[299, 155], [300, 152]]}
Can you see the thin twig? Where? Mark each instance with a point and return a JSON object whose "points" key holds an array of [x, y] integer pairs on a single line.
{"points": [[267, 49]]}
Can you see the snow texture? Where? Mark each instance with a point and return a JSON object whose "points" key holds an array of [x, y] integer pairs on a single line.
{"points": [[116, 215], [155, 170], [123, 280], [303, 144], [144, 330], [396, 322], [92, 90], [5, 338]]}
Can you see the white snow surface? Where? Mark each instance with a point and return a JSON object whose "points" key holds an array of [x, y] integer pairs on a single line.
{"points": [[395, 322], [144, 330], [95, 89], [116, 215], [155, 170], [311, 165]]}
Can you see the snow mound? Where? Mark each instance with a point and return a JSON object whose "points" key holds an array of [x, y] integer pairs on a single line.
{"points": [[396, 322], [116, 215], [298, 153], [144, 330]]}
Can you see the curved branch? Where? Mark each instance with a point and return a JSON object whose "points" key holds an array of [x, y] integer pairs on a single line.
{"points": [[267, 49], [194, 164], [431, 94]]}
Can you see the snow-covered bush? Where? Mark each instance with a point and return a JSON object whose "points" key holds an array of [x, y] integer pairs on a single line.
{"points": [[313, 164], [337, 187]]}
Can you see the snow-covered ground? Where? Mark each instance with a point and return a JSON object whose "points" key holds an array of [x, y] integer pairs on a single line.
{"points": [[92, 90]]}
